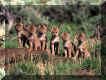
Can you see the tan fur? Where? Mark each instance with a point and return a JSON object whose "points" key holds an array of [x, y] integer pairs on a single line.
{"points": [[30, 33], [33, 39], [31, 29], [75, 39], [16, 53], [19, 26], [87, 54], [21, 31], [34, 42], [42, 36], [54, 39], [83, 47], [67, 43]]}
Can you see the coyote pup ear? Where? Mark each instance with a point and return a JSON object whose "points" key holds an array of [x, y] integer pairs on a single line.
{"points": [[65, 35], [57, 29], [45, 27]]}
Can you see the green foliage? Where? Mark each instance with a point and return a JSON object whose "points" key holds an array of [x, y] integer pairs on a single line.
{"points": [[81, 22], [90, 64], [11, 44], [47, 72], [23, 66], [56, 66], [86, 64], [44, 57], [74, 68], [3, 45]]}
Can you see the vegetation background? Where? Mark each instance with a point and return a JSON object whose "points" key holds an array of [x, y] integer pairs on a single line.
{"points": [[74, 19]]}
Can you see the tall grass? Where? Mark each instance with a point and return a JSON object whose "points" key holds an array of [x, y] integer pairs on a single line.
{"points": [[48, 65], [56, 66]]}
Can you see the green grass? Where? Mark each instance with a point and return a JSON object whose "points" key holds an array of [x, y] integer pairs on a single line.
{"points": [[11, 44], [65, 67], [56, 67]]}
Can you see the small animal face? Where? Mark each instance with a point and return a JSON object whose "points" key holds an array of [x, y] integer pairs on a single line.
{"points": [[42, 28], [65, 36], [19, 26], [31, 29], [55, 31], [82, 36]]}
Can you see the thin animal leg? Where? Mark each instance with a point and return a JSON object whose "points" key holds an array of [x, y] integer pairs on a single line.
{"points": [[65, 53], [43, 45], [53, 52], [69, 52]]}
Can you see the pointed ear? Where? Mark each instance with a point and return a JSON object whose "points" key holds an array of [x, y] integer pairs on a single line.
{"points": [[34, 25], [57, 28], [45, 27]]}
